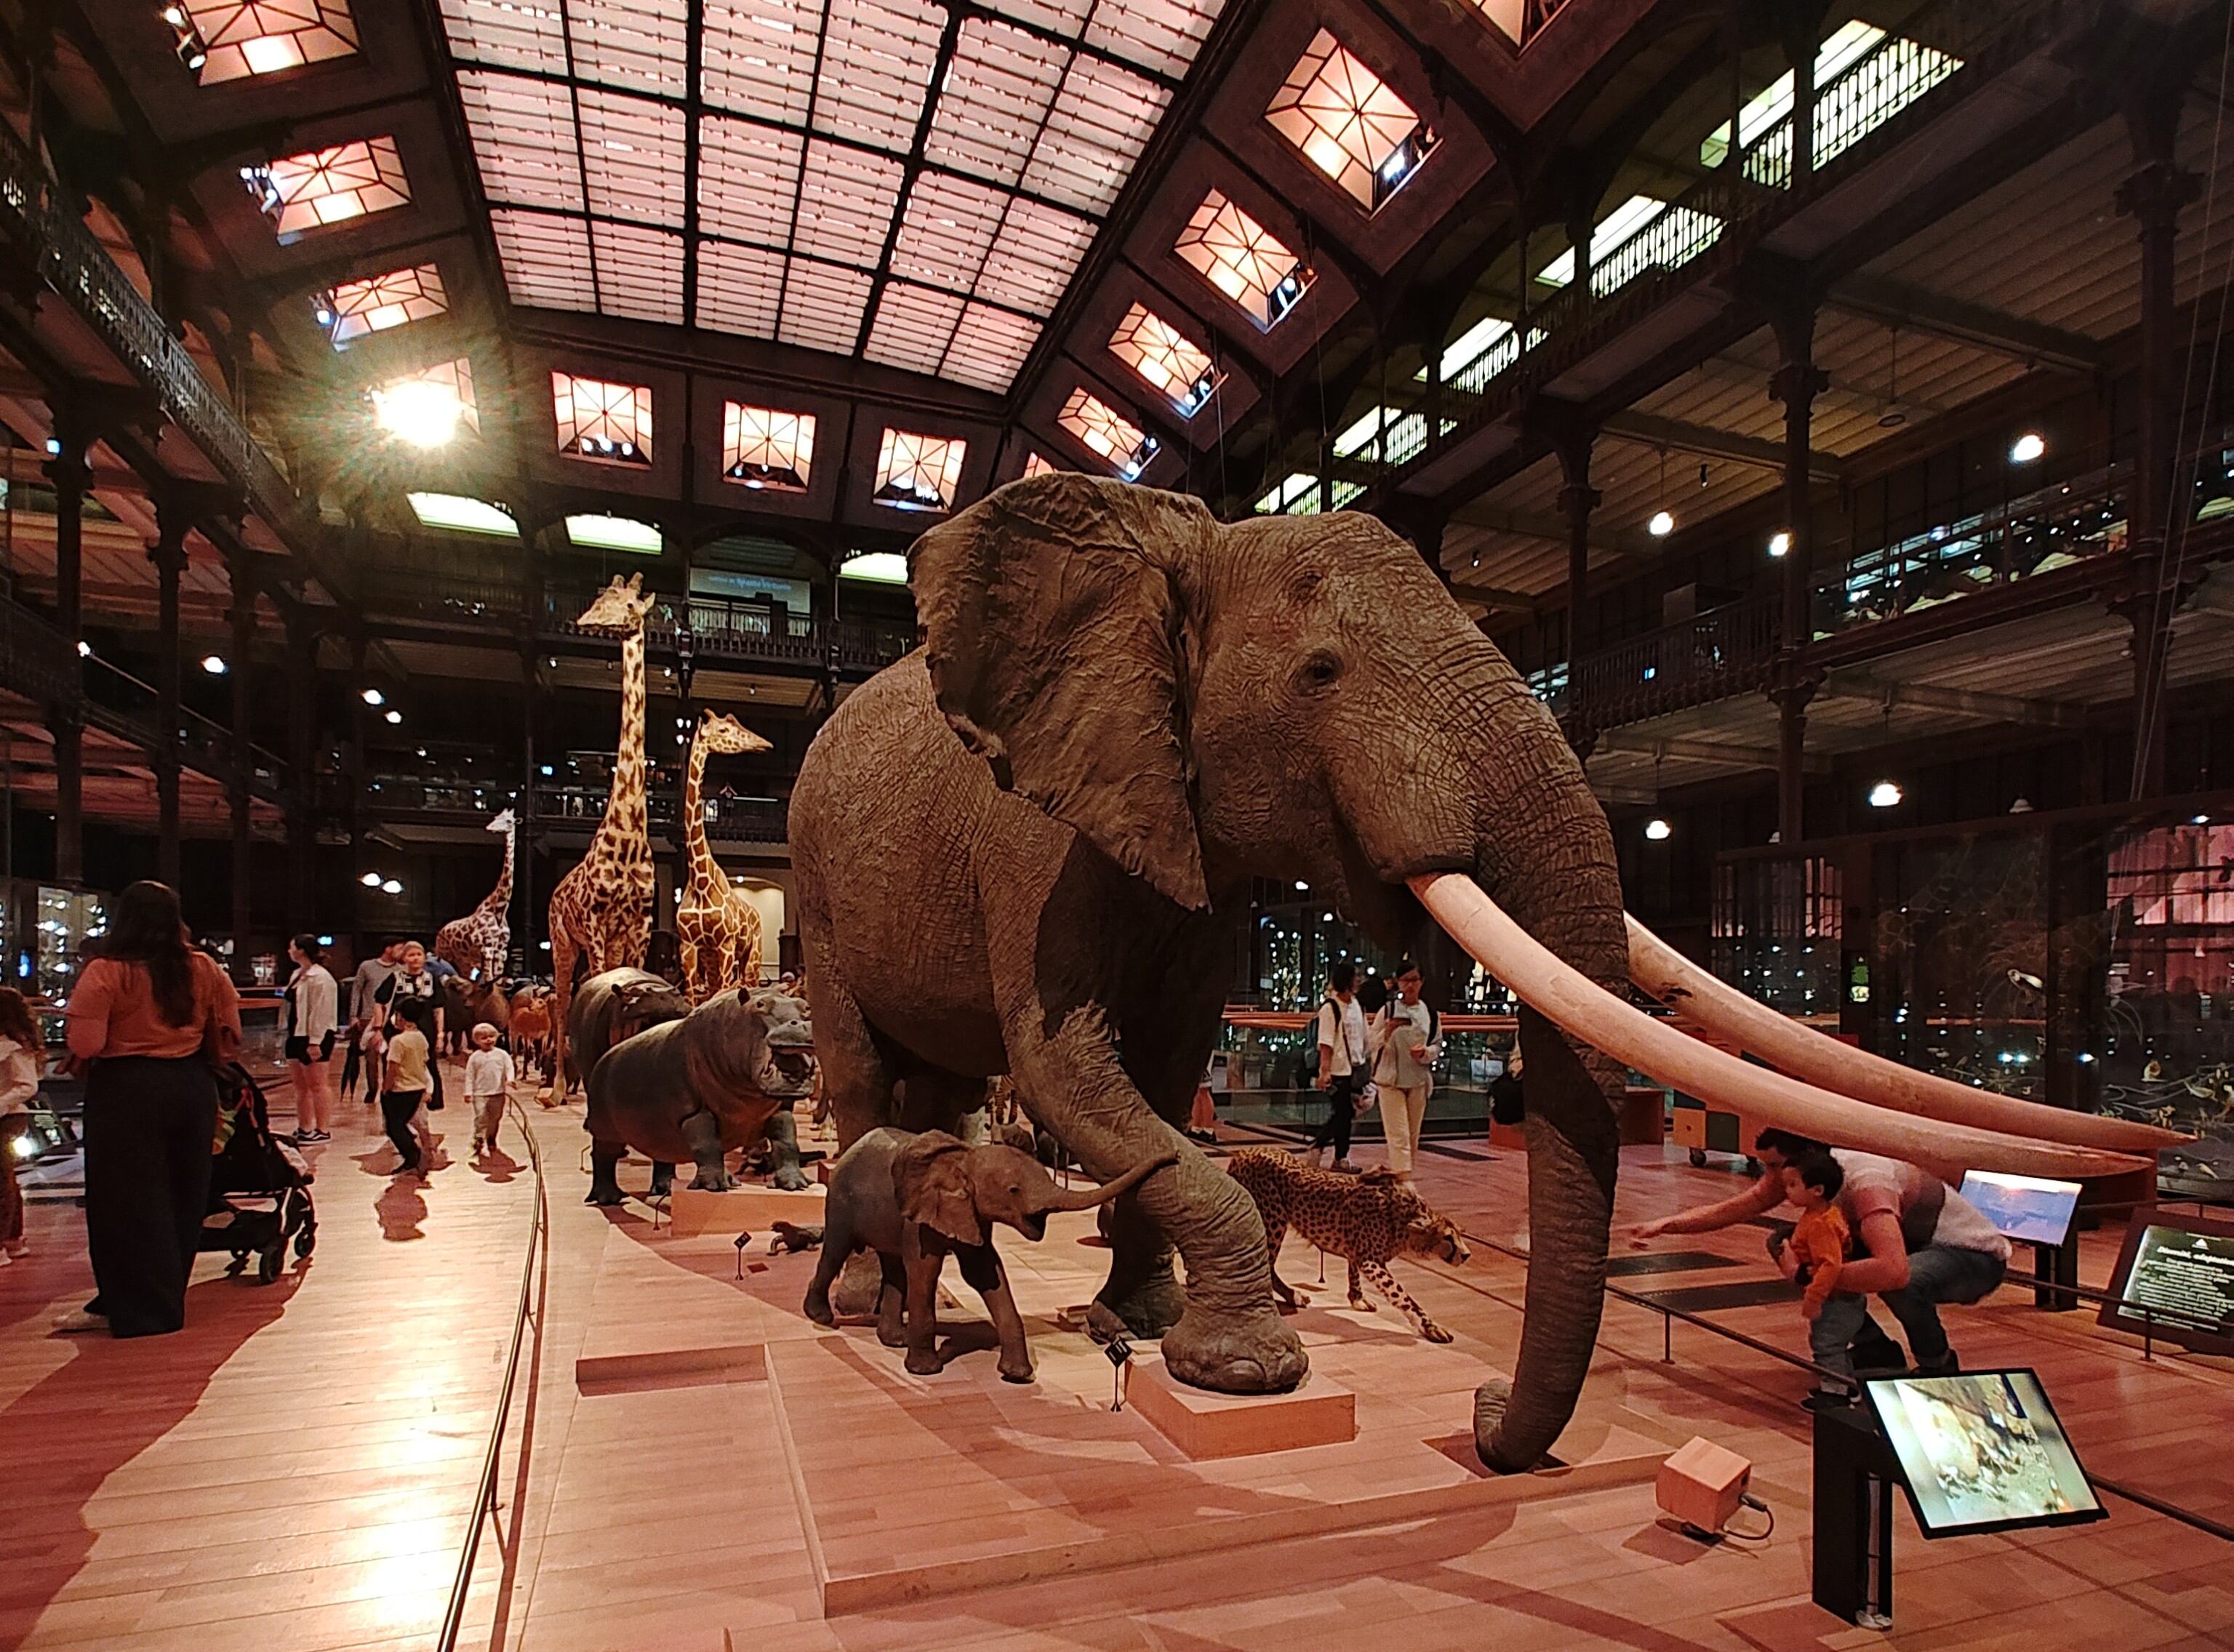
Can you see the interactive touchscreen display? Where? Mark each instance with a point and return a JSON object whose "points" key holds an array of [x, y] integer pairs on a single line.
{"points": [[2175, 1280], [2023, 1207], [1981, 1451]]}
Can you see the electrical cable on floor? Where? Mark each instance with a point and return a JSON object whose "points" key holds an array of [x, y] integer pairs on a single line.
{"points": [[1750, 1501]]}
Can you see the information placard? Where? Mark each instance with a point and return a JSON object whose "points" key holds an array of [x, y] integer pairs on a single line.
{"points": [[2180, 1268], [2029, 1208], [1981, 1451]]}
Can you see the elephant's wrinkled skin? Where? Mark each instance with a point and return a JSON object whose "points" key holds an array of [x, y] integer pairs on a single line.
{"points": [[915, 1199], [1027, 849], [699, 1088]]}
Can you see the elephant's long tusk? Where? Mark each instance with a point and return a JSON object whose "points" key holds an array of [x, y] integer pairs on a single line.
{"points": [[1579, 1007], [1805, 1054]]}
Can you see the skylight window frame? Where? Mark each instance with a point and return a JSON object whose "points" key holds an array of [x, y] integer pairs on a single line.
{"points": [[616, 428], [1106, 433], [228, 38], [767, 449], [1355, 130], [918, 472], [364, 305], [604, 530], [363, 177], [1225, 245], [1165, 359], [454, 378]]}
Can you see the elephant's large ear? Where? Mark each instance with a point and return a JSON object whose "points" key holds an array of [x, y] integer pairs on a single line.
{"points": [[931, 1176], [1052, 613]]}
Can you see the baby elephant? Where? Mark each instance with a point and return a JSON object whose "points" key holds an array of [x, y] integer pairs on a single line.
{"points": [[912, 1198]]}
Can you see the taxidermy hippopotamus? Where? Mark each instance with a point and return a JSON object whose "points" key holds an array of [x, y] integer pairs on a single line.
{"points": [[614, 1006], [722, 1077]]}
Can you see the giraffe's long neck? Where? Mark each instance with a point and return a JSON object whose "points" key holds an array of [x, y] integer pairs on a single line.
{"points": [[501, 897], [706, 872], [625, 817]]}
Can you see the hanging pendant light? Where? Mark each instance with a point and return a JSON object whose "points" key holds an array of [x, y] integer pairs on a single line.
{"points": [[1663, 522], [1893, 418]]}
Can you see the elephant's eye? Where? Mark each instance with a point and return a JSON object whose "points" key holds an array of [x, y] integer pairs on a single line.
{"points": [[1319, 672]]}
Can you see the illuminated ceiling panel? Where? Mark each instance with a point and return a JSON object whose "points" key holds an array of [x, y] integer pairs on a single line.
{"points": [[1242, 259], [762, 447], [639, 271], [748, 177], [545, 259], [989, 346], [946, 230], [740, 289], [376, 303], [321, 187], [997, 93], [1164, 357], [1101, 429], [916, 472], [238, 38], [1101, 121], [632, 157], [602, 420], [823, 304], [914, 325], [1347, 123], [967, 162], [1035, 466], [1032, 258], [847, 199]]}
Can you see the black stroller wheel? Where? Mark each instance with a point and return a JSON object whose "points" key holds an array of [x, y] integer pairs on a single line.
{"points": [[268, 1263], [306, 1238]]}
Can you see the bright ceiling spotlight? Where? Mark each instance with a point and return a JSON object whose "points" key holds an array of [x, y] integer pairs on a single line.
{"points": [[84, 649], [2027, 448], [1886, 795], [1658, 830], [391, 887], [214, 664], [419, 411], [1780, 543], [1660, 525], [394, 717], [373, 697], [371, 880]]}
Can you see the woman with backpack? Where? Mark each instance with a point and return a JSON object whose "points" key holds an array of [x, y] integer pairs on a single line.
{"points": [[1407, 1041]]}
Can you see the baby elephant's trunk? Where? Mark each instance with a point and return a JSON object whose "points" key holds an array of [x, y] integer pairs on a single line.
{"points": [[1085, 1199]]}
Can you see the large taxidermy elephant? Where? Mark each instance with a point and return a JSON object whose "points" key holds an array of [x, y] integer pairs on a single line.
{"points": [[913, 1199], [1027, 849], [719, 1078]]}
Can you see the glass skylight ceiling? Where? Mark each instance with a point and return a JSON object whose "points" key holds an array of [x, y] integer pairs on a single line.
{"points": [[873, 176], [1102, 429], [377, 303]]}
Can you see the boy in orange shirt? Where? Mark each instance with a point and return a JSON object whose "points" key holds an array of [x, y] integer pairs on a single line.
{"points": [[1821, 1239]]}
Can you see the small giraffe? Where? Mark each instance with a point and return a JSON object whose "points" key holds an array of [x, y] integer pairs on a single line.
{"points": [[478, 944], [601, 911], [720, 929]]}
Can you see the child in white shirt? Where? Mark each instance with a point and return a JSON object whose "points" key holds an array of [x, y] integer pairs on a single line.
{"points": [[489, 1075]]}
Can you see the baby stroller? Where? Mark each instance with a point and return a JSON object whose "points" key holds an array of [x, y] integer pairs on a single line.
{"points": [[259, 1186]]}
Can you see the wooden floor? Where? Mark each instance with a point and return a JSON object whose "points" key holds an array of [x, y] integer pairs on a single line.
{"points": [[292, 1472]]}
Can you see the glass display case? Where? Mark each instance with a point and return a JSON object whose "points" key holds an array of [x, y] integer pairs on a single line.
{"points": [[63, 920]]}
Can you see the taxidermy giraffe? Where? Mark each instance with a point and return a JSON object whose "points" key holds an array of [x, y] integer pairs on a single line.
{"points": [[477, 944], [720, 929], [601, 911]]}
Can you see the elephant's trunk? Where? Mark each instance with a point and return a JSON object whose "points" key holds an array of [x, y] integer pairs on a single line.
{"points": [[1547, 851], [1085, 1199]]}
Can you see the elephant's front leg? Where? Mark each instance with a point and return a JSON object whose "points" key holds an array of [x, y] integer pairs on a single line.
{"points": [[921, 1264], [1230, 1338], [981, 1267], [783, 1143], [703, 1132], [891, 1322]]}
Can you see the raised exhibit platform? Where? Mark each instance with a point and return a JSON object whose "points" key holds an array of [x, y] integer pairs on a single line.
{"points": [[908, 1488]]}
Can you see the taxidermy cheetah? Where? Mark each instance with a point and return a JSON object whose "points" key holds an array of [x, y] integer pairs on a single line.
{"points": [[1365, 1220]]}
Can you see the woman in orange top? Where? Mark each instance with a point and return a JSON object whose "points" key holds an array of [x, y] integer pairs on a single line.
{"points": [[152, 1018]]}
